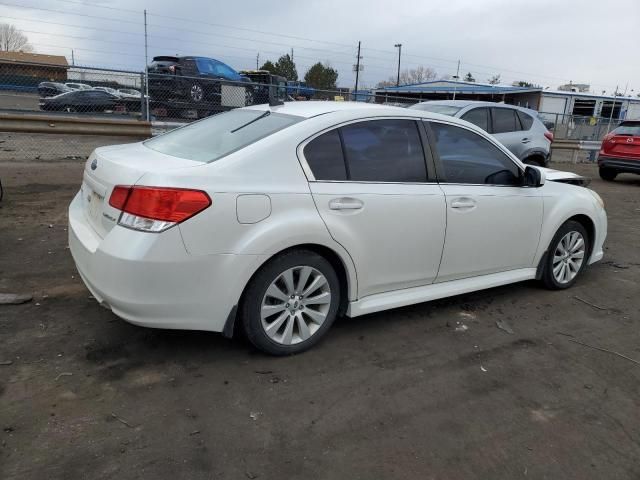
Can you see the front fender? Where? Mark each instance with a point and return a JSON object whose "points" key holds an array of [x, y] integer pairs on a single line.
{"points": [[562, 202]]}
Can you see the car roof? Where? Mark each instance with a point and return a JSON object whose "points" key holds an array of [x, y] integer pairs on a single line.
{"points": [[313, 108], [475, 103]]}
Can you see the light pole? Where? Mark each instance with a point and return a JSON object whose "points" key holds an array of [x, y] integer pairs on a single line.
{"points": [[399, 47]]}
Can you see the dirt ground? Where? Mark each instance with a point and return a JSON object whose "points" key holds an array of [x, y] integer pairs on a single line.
{"points": [[401, 394]]}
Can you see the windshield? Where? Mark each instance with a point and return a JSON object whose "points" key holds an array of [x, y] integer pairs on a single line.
{"points": [[217, 136], [213, 67], [437, 108], [628, 128]]}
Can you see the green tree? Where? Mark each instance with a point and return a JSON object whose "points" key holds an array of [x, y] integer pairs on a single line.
{"points": [[469, 78], [285, 67], [522, 83], [322, 77], [269, 66]]}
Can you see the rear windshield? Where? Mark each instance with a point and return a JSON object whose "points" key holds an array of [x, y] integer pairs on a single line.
{"points": [[628, 128], [219, 135], [436, 108]]}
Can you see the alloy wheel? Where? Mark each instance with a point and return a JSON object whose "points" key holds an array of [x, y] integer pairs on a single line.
{"points": [[196, 92], [568, 257], [295, 305]]}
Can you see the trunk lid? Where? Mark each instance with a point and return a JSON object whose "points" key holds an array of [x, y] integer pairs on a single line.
{"points": [[115, 165]]}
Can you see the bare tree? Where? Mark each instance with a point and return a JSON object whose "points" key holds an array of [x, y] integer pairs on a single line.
{"points": [[13, 40], [415, 75], [494, 80]]}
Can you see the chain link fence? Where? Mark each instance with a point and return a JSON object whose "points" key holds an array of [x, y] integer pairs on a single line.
{"points": [[578, 127], [170, 94], [164, 96]]}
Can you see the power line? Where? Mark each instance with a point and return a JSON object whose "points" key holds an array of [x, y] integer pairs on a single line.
{"points": [[492, 69]]}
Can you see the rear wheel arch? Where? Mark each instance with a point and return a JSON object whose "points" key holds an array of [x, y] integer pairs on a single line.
{"points": [[346, 278]]}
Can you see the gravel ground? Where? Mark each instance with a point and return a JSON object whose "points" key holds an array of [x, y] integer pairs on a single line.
{"points": [[399, 394]]}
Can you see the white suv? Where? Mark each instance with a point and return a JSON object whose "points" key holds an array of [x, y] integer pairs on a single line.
{"points": [[277, 219]]}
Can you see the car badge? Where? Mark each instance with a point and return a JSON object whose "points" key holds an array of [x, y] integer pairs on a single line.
{"points": [[630, 140]]}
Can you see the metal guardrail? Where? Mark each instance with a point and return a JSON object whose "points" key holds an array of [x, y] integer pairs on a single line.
{"points": [[58, 124], [576, 146]]}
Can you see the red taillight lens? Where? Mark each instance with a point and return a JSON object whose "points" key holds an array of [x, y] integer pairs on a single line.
{"points": [[158, 203], [549, 136], [119, 196]]}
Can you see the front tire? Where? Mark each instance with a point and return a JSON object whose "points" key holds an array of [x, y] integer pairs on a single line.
{"points": [[290, 303], [607, 174], [567, 256]]}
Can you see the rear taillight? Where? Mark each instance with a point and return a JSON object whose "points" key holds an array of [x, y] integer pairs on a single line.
{"points": [[154, 209], [549, 136]]}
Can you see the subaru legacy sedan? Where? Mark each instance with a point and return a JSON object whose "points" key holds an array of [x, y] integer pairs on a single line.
{"points": [[277, 219]]}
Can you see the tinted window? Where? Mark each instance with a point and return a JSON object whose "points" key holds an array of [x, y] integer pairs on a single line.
{"points": [[466, 157], [384, 151], [628, 128], [324, 156], [504, 120], [525, 119], [220, 135], [479, 117]]}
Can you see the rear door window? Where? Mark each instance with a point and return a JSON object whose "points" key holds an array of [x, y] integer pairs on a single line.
{"points": [[504, 120], [526, 120], [384, 151], [479, 117], [324, 156]]}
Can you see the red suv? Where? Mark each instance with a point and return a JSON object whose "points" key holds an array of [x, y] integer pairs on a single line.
{"points": [[620, 151]]}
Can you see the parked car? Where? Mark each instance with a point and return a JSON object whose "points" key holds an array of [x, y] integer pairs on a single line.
{"points": [[266, 85], [109, 90], [281, 218], [50, 89], [83, 101], [197, 80], [129, 92], [519, 129], [620, 151], [78, 86], [300, 89]]}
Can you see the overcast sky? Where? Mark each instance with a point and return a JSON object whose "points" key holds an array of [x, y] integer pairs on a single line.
{"points": [[542, 41]]}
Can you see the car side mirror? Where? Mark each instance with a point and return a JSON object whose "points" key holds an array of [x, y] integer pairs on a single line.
{"points": [[533, 177]]}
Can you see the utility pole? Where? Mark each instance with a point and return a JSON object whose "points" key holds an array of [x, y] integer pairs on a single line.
{"points": [[291, 54], [613, 106], [457, 77], [257, 60], [357, 69], [399, 47], [73, 58], [146, 67]]}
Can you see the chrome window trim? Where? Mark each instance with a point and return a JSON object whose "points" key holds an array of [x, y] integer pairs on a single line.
{"points": [[311, 178]]}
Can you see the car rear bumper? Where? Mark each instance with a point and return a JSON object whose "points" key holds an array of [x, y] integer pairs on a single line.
{"points": [[151, 280], [620, 164]]}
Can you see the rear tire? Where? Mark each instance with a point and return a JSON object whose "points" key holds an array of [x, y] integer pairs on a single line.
{"points": [[607, 174], [290, 303], [567, 256]]}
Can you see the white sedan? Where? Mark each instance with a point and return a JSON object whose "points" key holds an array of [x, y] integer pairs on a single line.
{"points": [[277, 219]]}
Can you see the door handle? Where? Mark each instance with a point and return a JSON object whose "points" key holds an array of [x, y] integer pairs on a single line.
{"points": [[526, 140], [463, 203], [346, 203]]}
